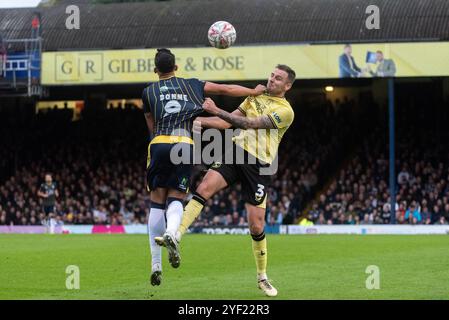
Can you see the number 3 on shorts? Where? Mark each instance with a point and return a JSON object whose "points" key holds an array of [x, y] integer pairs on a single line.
{"points": [[260, 191]]}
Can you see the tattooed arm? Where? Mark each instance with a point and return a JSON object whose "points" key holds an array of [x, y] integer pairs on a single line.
{"points": [[238, 121], [215, 122]]}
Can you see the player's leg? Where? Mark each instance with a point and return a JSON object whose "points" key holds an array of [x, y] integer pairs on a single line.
{"points": [[256, 222], [175, 209], [52, 220], [177, 180], [156, 218], [156, 228], [175, 199], [219, 176], [49, 220], [46, 221], [212, 182], [254, 187]]}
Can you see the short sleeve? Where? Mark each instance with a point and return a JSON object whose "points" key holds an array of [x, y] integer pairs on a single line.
{"points": [[146, 100], [243, 107], [198, 86], [282, 117]]}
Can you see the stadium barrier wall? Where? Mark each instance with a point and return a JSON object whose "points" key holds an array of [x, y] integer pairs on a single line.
{"points": [[142, 229], [365, 229], [283, 229], [27, 229]]}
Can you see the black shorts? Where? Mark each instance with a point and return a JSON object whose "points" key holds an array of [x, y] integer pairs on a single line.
{"points": [[162, 172], [49, 209], [254, 184]]}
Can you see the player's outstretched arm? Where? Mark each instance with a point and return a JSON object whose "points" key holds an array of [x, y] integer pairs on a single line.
{"points": [[238, 121], [232, 90]]}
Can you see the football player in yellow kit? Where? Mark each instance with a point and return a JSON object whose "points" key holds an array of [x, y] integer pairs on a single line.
{"points": [[263, 119]]}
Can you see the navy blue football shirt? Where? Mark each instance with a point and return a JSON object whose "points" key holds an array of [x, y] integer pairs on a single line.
{"points": [[174, 104]]}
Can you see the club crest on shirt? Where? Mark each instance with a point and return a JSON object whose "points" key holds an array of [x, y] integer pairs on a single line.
{"points": [[259, 106], [167, 88]]}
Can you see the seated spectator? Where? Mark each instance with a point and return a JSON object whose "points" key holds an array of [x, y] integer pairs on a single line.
{"points": [[413, 214]]}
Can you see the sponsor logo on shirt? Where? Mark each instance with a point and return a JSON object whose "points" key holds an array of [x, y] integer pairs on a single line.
{"points": [[276, 117]]}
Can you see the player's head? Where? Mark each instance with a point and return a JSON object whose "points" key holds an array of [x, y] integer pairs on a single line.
{"points": [[164, 62], [347, 49], [379, 55], [48, 178], [280, 80]]}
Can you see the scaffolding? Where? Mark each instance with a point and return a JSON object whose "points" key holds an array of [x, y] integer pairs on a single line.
{"points": [[21, 67]]}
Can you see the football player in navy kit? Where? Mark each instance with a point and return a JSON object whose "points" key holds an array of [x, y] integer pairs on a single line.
{"points": [[48, 192]]}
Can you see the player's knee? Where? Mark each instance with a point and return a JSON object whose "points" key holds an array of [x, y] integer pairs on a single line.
{"points": [[256, 227], [205, 190]]}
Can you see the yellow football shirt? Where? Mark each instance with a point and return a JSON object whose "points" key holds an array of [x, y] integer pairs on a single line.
{"points": [[264, 143]]}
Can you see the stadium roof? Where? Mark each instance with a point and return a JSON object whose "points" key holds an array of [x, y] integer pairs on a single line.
{"points": [[185, 23]]}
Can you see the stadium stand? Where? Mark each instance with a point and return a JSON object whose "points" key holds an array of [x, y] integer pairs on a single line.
{"points": [[98, 162], [359, 193]]}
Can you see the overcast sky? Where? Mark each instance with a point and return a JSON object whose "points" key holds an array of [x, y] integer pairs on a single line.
{"points": [[18, 3]]}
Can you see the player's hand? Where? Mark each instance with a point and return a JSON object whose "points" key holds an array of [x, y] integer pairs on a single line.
{"points": [[259, 89], [210, 106], [197, 125]]}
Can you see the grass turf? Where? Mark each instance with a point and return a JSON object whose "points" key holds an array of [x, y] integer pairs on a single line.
{"points": [[222, 267]]}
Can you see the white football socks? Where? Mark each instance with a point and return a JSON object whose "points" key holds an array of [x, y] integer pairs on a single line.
{"points": [[175, 210], [52, 223], [156, 228]]}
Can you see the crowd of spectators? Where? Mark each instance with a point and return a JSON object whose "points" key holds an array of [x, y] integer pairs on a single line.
{"points": [[317, 141], [360, 192], [98, 164]]}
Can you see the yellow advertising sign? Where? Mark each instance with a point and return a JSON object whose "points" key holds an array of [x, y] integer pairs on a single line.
{"points": [[249, 63]]}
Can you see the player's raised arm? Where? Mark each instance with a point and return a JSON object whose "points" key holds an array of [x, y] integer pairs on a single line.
{"points": [[238, 120], [232, 90]]}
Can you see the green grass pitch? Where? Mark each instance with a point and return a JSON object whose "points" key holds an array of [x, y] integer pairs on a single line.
{"points": [[222, 267]]}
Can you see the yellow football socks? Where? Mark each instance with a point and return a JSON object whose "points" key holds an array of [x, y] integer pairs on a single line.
{"points": [[191, 212], [260, 253]]}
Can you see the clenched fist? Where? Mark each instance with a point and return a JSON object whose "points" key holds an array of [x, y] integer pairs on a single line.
{"points": [[210, 106], [260, 89]]}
